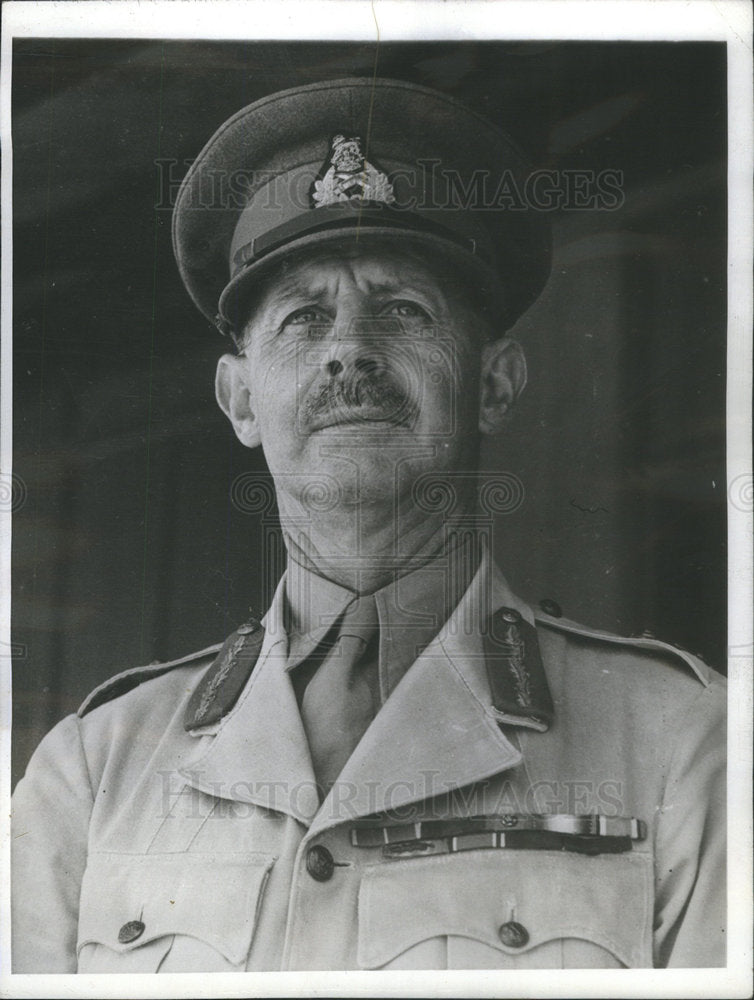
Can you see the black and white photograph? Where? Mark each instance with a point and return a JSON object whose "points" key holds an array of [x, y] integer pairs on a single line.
{"points": [[376, 498]]}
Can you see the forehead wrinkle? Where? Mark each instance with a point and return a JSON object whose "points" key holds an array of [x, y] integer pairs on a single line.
{"points": [[391, 271], [294, 286], [315, 281], [395, 274]]}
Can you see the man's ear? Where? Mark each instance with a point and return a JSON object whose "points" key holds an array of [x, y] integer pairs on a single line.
{"points": [[234, 398], [503, 380]]}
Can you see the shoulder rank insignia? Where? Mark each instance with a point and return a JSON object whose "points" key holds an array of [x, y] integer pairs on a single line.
{"points": [[222, 684], [347, 174], [126, 681], [520, 693]]}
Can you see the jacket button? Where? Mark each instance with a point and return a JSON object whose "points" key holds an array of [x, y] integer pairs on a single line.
{"points": [[319, 863], [130, 931], [513, 934], [551, 608]]}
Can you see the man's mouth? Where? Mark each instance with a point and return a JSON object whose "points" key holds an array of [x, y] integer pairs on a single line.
{"points": [[359, 418]]}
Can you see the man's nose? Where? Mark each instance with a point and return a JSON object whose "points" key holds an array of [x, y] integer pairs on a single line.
{"points": [[364, 361], [359, 345]]}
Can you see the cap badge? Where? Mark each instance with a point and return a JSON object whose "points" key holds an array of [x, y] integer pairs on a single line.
{"points": [[350, 175]]}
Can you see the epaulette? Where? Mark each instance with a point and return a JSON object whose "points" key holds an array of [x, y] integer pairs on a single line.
{"points": [[126, 681], [549, 615]]}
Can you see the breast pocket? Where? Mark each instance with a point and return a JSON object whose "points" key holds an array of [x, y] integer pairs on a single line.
{"points": [[169, 912], [507, 909]]}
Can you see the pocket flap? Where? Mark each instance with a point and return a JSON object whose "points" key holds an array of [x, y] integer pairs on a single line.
{"points": [[606, 900], [207, 896]]}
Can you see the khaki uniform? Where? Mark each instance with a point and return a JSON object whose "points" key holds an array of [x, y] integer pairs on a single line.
{"points": [[141, 846]]}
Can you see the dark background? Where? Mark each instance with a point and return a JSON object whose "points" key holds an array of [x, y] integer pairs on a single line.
{"points": [[128, 548]]}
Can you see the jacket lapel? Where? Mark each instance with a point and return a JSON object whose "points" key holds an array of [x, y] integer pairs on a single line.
{"points": [[259, 752]]}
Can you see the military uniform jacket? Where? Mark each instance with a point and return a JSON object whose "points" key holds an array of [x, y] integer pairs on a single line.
{"points": [[141, 845]]}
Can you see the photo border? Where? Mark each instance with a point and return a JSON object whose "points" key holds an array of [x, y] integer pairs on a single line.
{"points": [[432, 20]]}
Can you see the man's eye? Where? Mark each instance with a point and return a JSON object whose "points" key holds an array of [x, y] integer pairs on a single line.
{"points": [[407, 310], [305, 317]]}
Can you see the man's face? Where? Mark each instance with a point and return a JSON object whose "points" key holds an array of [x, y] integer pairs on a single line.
{"points": [[362, 369]]}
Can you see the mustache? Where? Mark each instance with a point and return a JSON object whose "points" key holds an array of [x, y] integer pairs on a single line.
{"points": [[377, 391]]}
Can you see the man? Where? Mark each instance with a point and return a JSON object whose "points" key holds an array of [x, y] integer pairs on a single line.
{"points": [[402, 765]]}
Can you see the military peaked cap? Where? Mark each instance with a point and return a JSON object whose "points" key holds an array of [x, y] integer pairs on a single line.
{"points": [[346, 160]]}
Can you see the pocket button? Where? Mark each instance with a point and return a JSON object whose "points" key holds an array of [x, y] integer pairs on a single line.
{"points": [[513, 934], [130, 931]]}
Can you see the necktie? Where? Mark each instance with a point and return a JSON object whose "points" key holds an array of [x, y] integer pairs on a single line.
{"points": [[338, 704]]}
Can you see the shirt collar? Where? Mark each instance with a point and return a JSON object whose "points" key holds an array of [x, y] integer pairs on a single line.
{"points": [[412, 608]]}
